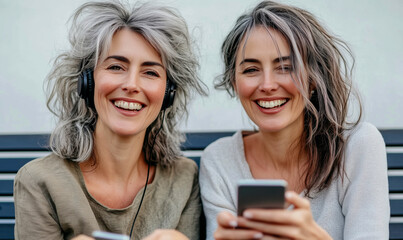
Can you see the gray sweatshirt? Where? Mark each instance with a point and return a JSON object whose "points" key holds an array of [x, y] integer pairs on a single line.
{"points": [[356, 208]]}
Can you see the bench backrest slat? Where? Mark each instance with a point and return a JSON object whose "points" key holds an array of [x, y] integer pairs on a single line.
{"points": [[24, 142], [395, 160], [12, 165]]}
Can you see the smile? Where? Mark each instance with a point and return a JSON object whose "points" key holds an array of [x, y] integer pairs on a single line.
{"points": [[132, 106], [271, 104]]}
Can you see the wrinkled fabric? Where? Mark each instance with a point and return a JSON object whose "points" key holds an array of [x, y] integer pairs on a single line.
{"points": [[356, 207], [52, 202]]}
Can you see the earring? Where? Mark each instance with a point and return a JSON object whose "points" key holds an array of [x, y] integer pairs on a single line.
{"points": [[312, 93]]}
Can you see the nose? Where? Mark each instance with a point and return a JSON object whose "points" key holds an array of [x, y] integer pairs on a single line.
{"points": [[268, 83], [131, 83]]}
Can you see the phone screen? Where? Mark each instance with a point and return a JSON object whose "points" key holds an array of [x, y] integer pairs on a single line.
{"points": [[259, 193], [100, 235]]}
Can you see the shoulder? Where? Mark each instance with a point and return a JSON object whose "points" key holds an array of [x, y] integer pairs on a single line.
{"points": [[223, 150], [224, 157], [182, 169], [225, 143], [185, 164], [44, 169], [45, 164], [364, 136], [178, 180], [365, 148], [364, 130]]}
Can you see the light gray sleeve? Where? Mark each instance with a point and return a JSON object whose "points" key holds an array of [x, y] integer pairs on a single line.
{"points": [[34, 217], [214, 192], [365, 203]]}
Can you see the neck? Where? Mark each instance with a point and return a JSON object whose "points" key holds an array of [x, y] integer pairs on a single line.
{"points": [[281, 149], [119, 158]]}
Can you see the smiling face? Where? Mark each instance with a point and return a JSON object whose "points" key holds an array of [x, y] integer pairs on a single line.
{"points": [[263, 82], [129, 85]]}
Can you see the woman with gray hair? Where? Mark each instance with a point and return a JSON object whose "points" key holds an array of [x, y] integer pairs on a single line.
{"points": [[116, 165], [293, 80]]}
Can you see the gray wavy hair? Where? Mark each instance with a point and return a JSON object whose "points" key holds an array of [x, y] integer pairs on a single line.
{"points": [[321, 57], [92, 28]]}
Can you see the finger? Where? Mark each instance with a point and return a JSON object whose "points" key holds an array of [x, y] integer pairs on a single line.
{"points": [[82, 237], [266, 237], [156, 234], [226, 220], [166, 234], [297, 217], [296, 200], [232, 233], [277, 216], [275, 231]]}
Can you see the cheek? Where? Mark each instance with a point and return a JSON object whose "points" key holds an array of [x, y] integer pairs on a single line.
{"points": [[156, 92], [245, 88], [103, 89], [291, 88], [298, 99]]}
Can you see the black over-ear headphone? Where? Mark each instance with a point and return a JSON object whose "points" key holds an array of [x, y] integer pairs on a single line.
{"points": [[85, 87], [86, 84]]}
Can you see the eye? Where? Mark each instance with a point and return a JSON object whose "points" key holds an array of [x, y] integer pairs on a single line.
{"points": [[285, 69], [250, 70], [114, 68], [152, 73]]}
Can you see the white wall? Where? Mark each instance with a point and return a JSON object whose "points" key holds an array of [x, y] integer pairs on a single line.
{"points": [[33, 32]]}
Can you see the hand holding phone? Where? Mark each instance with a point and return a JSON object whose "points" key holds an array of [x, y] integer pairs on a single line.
{"points": [[259, 193]]}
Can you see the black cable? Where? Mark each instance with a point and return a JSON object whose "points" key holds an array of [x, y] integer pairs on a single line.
{"points": [[148, 174]]}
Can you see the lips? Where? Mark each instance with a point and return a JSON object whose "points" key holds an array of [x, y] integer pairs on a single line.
{"points": [[131, 106], [271, 104]]}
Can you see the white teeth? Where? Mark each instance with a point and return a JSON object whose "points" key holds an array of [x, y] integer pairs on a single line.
{"points": [[270, 104], [128, 105]]}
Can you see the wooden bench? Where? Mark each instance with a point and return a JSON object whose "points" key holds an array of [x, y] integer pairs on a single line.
{"points": [[16, 150]]}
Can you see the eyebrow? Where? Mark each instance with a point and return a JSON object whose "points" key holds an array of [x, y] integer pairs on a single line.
{"points": [[126, 60], [282, 59], [276, 60], [149, 63], [119, 58], [249, 60]]}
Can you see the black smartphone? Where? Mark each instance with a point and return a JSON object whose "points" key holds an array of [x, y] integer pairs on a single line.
{"points": [[261, 193], [100, 235]]}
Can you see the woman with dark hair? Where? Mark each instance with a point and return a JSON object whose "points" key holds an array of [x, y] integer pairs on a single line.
{"points": [[293, 80], [116, 166]]}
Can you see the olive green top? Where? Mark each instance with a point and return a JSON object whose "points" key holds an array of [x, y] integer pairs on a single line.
{"points": [[52, 202]]}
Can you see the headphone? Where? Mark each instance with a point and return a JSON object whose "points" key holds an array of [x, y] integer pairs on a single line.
{"points": [[86, 85]]}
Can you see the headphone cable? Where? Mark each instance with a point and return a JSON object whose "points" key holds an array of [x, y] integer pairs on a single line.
{"points": [[148, 174]]}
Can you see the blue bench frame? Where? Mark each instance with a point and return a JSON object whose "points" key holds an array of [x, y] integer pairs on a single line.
{"points": [[16, 150]]}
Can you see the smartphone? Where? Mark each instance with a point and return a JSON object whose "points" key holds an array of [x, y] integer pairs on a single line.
{"points": [[100, 235], [261, 193]]}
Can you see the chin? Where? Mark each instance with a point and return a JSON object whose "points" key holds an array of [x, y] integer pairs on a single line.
{"points": [[271, 127], [270, 130], [126, 132]]}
